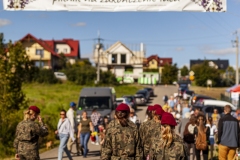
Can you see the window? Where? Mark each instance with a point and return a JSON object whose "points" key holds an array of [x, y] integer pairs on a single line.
{"points": [[114, 58], [56, 50], [40, 52], [39, 63], [123, 58], [152, 62], [65, 50]]}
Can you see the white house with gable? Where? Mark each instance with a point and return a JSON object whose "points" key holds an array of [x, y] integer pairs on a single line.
{"points": [[119, 59]]}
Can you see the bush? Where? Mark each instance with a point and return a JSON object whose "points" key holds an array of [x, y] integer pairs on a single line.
{"points": [[45, 76]]}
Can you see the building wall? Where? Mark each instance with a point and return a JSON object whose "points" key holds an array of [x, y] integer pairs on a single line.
{"points": [[63, 48], [31, 48], [153, 64], [119, 71]]}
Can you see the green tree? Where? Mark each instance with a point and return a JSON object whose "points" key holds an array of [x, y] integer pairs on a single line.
{"points": [[62, 63], [169, 73], [203, 72], [184, 71], [14, 66]]}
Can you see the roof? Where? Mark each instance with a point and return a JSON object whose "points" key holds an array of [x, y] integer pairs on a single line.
{"points": [[74, 45], [49, 45], [161, 61], [40, 42], [221, 63], [118, 43]]}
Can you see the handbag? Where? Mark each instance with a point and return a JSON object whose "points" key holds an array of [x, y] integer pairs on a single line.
{"points": [[57, 135]]}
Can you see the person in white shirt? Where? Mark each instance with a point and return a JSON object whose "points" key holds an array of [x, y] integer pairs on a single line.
{"points": [[133, 117], [70, 116], [64, 131], [213, 131]]}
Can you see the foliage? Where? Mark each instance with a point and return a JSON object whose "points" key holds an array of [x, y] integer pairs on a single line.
{"points": [[150, 70], [203, 72], [62, 62], [108, 78], [45, 76], [14, 65], [184, 71], [169, 73]]}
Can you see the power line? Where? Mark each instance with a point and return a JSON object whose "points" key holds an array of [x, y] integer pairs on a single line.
{"points": [[234, 14], [218, 23]]}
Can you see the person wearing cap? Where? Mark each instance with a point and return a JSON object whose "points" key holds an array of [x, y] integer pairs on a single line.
{"points": [[170, 145], [27, 134], [154, 129], [122, 139], [71, 118]]}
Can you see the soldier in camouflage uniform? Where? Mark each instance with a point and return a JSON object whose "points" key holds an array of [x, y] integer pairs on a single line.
{"points": [[144, 127], [27, 135], [154, 129], [170, 146], [122, 141]]}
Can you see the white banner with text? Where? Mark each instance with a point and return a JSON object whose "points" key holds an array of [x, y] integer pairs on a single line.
{"points": [[116, 5]]}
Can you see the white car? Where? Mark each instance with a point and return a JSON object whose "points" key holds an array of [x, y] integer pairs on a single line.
{"points": [[122, 100], [60, 75]]}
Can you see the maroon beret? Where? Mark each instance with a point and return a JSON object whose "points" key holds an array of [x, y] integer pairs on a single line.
{"points": [[167, 118], [35, 109], [123, 107], [159, 111], [150, 108], [157, 106]]}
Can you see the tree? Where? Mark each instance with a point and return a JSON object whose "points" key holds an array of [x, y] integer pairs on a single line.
{"points": [[62, 61], [14, 65], [184, 71], [203, 72], [169, 73]]}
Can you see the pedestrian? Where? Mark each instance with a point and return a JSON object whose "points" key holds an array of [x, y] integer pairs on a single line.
{"points": [[122, 139], [133, 117], [165, 98], [215, 117], [170, 146], [171, 102], [153, 130], [201, 134], [27, 134], [182, 123], [213, 131], [64, 130], [71, 118], [166, 107], [84, 128], [95, 118], [188, 134], [185, 109], [228, 135]]}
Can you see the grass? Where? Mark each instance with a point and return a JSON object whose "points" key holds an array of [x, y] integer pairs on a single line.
{"points": [[212, 92]]}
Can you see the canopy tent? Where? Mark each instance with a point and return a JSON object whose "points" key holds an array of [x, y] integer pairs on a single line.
{"points": [[229, 89], [236, 89]]}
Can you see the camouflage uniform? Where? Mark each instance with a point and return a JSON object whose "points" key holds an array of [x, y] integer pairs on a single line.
{"points": [[145, 134], [26, 141], [177, 150], [121, 143]]}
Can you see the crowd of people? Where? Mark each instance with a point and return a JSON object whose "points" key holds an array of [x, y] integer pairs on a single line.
{"points": [[169, 132]]}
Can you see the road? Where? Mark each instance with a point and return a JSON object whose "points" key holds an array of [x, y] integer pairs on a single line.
{"points": [[94, 151]]}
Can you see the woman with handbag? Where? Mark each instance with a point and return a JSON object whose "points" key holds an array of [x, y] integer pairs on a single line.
{"points": [[64, 131]]}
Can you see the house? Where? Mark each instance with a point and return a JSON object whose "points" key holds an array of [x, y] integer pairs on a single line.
{"points": [[46, 53], [120, 60], [218, 63], [155, 63]]}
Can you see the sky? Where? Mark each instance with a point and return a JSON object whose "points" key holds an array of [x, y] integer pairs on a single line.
{"points": [[180, 35]]}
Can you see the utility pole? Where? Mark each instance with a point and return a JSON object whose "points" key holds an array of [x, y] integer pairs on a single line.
{"points": [[99, 46], [236, 45]]}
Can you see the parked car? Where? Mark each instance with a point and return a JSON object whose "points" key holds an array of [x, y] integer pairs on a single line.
{"points": [[123, 100], [132, 101], [60, 75], [208, 105], [183, 87], [140, 100], [145, 93], [198, 97], [150, 90]]}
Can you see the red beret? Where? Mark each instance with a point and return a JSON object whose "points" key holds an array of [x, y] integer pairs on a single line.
{"points": [[156, 106], [34, 108], [167, 118], [123, 107], [150, 108], [159, 111]]}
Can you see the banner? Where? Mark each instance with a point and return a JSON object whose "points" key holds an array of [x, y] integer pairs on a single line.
{"points": [[116, 5]]}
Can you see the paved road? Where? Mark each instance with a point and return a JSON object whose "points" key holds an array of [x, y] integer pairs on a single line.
{"points": [[93, 154]]}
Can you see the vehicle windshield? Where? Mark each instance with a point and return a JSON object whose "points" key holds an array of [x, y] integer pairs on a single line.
{"points": [[95, 102], [142, 92]]}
